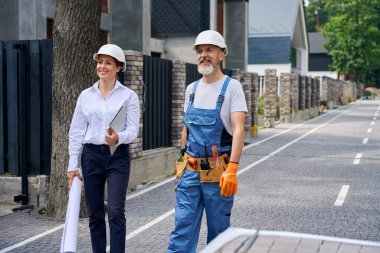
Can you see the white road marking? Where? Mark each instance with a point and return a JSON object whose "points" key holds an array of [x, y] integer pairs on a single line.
{"points": [[365, 140], [372, 123], [342, 195], [31, 239], [357, 158], [374, 118], [369, 130], [170, 212], [290, 143]]}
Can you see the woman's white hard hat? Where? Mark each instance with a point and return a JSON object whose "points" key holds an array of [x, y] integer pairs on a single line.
{"points": [[211, 37], [112, 50]]}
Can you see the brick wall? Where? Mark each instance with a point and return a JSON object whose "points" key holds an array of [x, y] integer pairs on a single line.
{"points": [[324, 89], [255, 96], [133, 80], [246, 81], [295, 92], [270, 97], [178, 98], [285, 96]]}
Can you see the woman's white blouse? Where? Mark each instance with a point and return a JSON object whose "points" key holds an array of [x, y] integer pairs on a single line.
{"points": [[93, 114]]}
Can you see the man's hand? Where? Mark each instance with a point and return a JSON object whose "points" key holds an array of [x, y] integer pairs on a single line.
{"points": [[71, 175], [112, 137], [228, 181]]}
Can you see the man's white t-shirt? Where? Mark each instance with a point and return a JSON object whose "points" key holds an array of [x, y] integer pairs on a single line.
{"points": [[207, 94]]}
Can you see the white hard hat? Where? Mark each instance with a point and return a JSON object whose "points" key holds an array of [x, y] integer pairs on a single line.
{"points": [[114, 51], [211, 37]]}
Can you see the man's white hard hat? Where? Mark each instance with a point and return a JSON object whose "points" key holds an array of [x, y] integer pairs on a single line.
{"points": [[114, 51], [211, 37]]}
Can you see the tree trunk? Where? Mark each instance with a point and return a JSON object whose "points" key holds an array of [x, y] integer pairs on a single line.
{"points": [[76, 37]]}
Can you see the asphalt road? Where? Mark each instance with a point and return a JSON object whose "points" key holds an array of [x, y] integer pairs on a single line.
{"points": [[320, 177]]}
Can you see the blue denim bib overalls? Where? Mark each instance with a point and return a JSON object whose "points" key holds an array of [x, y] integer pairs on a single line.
{"points": [[205, 128]]}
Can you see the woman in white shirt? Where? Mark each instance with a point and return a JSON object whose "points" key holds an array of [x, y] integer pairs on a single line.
{"points": [[92, 137]]}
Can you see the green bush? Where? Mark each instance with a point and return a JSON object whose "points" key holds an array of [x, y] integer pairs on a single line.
{"points": [[261, 105], [278, 115]]}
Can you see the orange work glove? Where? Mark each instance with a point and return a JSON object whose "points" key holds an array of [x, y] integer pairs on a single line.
{"points": [[228, 181]]}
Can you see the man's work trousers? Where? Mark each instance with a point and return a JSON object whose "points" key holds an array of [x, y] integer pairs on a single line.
{"points": [[192, 198]]}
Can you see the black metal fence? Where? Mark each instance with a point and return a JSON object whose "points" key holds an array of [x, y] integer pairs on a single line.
{"points": [[300, 95], [25, 107], [157, 119]]}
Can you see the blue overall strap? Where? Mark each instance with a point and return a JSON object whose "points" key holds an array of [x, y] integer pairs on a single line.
{"points": [[192, 94], [222, 93]]}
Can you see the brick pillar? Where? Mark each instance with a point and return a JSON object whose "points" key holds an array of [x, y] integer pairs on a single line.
{"points": [[133, 79], [302, 93], [285, 99], [255, 97], [246, 81], [178, 98], [295, 93], [270, 97], [324, 89], [330, 85]]}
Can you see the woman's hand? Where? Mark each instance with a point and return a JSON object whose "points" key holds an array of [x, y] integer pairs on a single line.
{"points": [[71, 175], [112, 137]]}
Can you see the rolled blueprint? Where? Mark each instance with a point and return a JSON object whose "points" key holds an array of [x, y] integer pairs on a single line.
{"points": [[70, 230]]}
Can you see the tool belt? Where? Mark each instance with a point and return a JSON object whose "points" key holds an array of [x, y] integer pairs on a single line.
{"points": [[212, 175]]}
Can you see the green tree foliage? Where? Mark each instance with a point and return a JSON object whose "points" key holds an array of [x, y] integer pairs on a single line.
{"points": [[353, 38], [316, 15]]}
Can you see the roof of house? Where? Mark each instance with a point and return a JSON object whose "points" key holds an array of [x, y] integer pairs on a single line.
{"points": [[268, 18], [316, 41]]}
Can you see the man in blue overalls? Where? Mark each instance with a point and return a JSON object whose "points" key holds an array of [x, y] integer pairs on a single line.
{"points": [[212, 142]]}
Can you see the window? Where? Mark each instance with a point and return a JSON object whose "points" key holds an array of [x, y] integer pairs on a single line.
{"points": [[293, 57]]}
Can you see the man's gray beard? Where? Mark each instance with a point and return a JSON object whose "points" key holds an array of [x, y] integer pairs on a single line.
{"points": [[205, 70]]}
